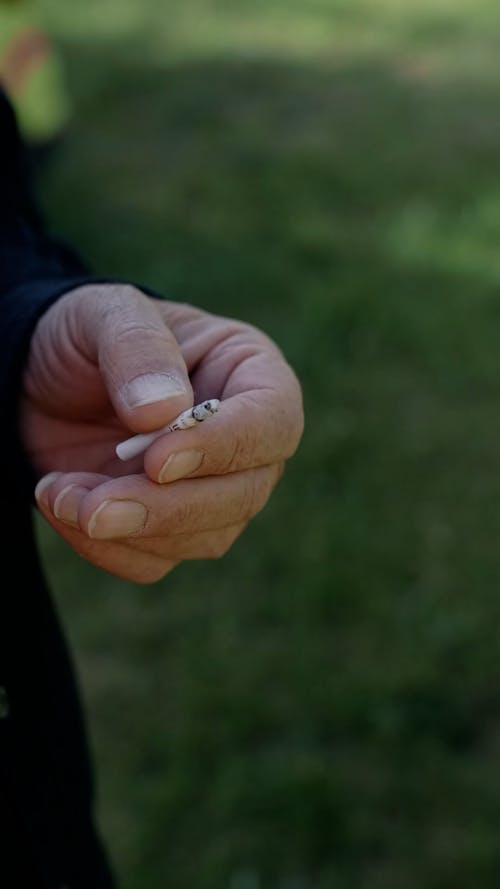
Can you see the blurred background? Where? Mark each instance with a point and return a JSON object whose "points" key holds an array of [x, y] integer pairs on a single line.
{"points": [[321, 708]]}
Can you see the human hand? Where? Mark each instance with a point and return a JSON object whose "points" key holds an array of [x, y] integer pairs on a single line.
{"points": [[105, 361]]}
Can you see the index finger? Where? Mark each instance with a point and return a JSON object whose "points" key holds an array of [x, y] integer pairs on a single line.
{"points": [[252, 429]]}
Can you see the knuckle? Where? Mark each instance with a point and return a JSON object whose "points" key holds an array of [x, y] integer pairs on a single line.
{"points": [[119, 293], [279, 471], [263, 494], [220, 548], [129, 329], [254, 335], [292, 419], [112, 300], [254, 496], [125, 308], [218, 545], [291, 425], [185, 517], [267, 482], [240, 452], [212, 551], [296, 430], [153, 572]]}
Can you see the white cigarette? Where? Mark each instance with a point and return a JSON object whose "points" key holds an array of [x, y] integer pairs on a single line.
{"points": [[134, 446]]}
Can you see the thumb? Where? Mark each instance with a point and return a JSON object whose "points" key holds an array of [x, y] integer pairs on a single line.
{"points": [[139, 359]]}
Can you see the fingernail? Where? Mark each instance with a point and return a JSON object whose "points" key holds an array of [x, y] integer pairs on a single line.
{"points": [[67, 503], [150, 388], [117, 518], [179, 465], [44, 485]]}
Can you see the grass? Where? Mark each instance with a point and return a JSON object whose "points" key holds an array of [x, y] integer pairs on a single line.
{"points": [[320, 709]]}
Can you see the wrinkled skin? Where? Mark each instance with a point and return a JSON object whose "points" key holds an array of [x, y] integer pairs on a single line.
{"points": [[108, 361]]}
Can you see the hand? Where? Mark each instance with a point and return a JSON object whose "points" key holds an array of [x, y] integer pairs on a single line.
{"points": [[106, 361]]}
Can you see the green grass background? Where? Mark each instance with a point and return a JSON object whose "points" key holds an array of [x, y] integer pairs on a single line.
{"points": [[321, 708]]}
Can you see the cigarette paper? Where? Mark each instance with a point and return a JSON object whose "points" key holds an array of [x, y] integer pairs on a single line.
{"points": [[134, 446]]}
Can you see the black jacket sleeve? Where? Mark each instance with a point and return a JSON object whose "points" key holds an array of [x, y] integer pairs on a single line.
{"points": [[46, 819], [35, 269]]}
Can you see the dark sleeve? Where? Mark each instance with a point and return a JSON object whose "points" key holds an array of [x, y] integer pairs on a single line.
{"points": [[35, 269]]}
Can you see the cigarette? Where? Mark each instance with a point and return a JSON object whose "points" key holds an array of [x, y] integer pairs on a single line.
{"points": [[136, 445]]}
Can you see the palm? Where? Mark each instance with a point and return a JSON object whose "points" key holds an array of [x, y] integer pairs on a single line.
{"points": [[69, 445]]}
